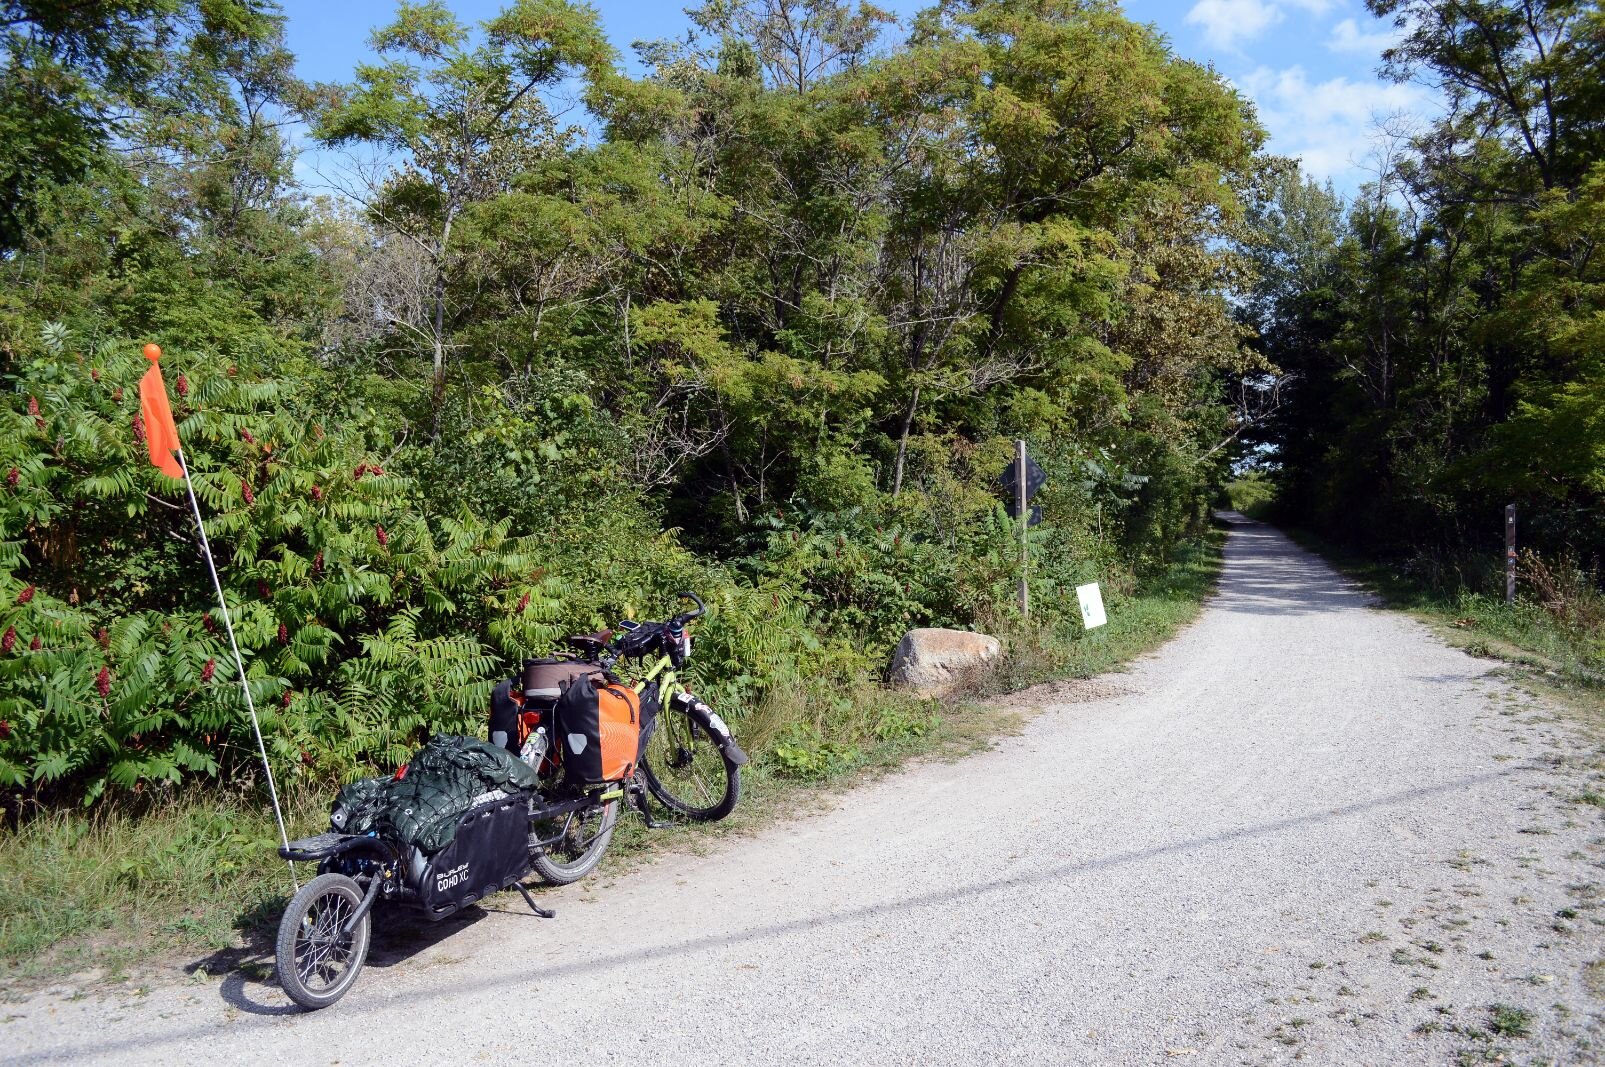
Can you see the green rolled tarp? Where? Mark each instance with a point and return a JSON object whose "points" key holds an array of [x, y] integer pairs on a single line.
{"points": [[443, 779]]}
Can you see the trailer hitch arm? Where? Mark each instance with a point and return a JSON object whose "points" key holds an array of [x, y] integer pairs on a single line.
{"points": [[366, 905]]}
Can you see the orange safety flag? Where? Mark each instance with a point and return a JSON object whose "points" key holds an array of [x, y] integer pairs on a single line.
{"points": [[160, 433]]}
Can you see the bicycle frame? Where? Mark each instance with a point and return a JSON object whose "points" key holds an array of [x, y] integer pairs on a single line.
{"points": [[663, 672], [666, 676], [669, 689]]}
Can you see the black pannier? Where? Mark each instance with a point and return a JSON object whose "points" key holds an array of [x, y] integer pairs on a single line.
{"points": [[536, 690], [651, 704], [504, 724], [488, 853]]}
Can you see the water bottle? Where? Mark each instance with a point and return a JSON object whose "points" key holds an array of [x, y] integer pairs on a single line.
{"points": [[534, 749]]}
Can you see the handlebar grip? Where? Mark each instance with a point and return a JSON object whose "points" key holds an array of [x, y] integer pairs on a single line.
{"points": [[702, 609]]}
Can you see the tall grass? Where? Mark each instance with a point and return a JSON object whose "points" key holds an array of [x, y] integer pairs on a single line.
{"points": [[107, 887]]}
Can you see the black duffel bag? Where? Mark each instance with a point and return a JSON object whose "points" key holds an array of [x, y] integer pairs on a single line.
{"points": [[488, 853]]}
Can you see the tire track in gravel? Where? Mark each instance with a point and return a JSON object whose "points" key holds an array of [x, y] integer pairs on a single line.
{"points": [[1304, 830]]}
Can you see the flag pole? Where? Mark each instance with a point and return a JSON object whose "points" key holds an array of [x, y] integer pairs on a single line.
{"points": [[164, 437], [239, 663]]}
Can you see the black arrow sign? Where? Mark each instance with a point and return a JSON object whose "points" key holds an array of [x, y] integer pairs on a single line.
{"points": [[1014, 512], [1035, 479]]}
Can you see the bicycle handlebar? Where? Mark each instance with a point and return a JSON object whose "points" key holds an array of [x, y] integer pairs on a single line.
{"points": [[685, 617], [638, 639]]}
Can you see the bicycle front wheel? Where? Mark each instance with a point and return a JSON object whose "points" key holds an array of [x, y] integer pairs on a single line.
{"points": [[686, 770]]}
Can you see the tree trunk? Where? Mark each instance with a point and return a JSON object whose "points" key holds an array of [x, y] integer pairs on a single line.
{"points": [[735, 482], [1000, 306], [437, 394], [902, 441]]}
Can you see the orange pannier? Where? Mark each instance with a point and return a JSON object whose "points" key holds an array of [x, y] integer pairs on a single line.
{"points": [[598, 729]]}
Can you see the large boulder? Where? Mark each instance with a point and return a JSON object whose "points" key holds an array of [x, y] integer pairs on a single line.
{"points": [[933, 661]]}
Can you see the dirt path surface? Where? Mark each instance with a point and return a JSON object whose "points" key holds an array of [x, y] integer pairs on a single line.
{"points": [[1303, 830]]}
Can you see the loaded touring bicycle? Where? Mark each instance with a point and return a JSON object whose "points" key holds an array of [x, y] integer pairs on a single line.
{"points": [[466, 818]]}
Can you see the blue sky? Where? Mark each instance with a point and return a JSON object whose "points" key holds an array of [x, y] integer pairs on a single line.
{"points": [[1309, 65]]}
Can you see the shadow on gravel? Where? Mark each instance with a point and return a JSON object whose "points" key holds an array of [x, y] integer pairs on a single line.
{"points": [[842, 916], [398, 936]]}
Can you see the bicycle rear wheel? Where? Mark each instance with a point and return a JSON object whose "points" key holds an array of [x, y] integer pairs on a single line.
{"points": [[686, 770], [582, 837]]}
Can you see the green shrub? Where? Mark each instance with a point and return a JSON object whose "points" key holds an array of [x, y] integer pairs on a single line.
{"points": [[1252, 493], [360, 619], [808, 757]]}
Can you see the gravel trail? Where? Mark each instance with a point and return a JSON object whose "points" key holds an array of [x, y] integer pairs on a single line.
{"points": [[1303, 830]]}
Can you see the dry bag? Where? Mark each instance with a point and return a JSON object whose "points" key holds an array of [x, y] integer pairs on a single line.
{"points": [[599, 730], [545, 679]]}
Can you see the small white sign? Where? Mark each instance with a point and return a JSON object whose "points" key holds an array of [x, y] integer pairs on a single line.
{"points": [[1091, 605]]}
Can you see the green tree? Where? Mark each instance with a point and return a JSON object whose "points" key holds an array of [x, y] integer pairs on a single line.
{"points": [[764, 324], [1448, 360], [460, 120], [83, 79]]}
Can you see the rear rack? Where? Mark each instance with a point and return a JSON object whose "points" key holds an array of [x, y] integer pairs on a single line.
{"points": [[320, 846]]}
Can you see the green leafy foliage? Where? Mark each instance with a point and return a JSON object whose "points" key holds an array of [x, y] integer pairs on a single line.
{"points": [[1443, 333], [763, 324], [805, 756], [354, 613]]}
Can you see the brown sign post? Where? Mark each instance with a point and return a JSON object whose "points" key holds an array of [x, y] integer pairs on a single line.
{"points": [[1021, 480], [1510, 553]]}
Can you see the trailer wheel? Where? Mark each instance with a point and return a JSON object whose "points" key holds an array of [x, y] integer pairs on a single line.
{"points": [[317, 961]]}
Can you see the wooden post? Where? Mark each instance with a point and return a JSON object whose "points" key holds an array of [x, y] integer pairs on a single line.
{"points": [[1510, 553], [1025, 526]]}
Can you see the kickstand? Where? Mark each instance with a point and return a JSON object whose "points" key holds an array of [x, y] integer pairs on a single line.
{"points": [[638, 801], [545, 913]]}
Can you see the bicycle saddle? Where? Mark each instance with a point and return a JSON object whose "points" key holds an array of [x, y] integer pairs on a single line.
{"points": [[590, 643]]}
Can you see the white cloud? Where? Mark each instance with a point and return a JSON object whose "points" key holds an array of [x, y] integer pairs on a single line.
{"points": [[1225, 22], [1348, 37], [1330, 125]]}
